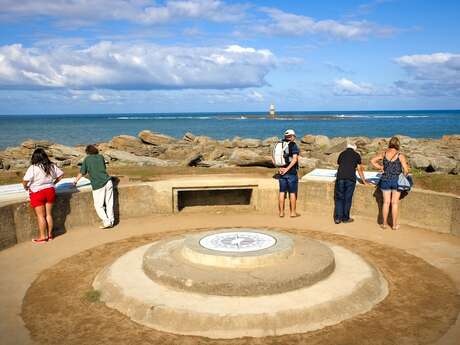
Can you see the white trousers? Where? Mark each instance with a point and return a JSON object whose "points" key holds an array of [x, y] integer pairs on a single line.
{"points": [[104, 196]]}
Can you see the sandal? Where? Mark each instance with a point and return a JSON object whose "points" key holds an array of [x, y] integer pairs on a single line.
{"points": [[50, 237], [383, 226], [39, 240], [396, 227]]}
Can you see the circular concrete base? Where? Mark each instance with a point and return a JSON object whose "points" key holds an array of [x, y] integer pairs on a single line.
{"points": [[353, 288], [195, 250], [292, 263]]}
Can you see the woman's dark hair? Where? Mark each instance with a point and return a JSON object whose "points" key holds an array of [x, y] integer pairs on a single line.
{"points": [[91, 150], [40, 158]]}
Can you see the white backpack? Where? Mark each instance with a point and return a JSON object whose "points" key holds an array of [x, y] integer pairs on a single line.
{"points": [[280, 154]]}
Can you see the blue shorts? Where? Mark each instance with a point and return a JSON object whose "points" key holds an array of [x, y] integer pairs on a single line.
{"points": [[289, 183], [387, 185]]}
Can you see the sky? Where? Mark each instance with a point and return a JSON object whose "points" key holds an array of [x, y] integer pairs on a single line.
{"points": [[146, 56]]}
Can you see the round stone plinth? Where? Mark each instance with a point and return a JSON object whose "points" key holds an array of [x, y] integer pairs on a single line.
{"points": [[353, 288], [245, 248], [289, 263]]}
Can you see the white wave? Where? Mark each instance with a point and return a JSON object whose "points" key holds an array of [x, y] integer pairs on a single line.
{"points": [[417, 116], [160, 117], [342, 116]]}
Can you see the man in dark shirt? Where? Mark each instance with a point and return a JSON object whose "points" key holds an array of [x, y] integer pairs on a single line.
{"points": [[349, 161], [288, 179]]}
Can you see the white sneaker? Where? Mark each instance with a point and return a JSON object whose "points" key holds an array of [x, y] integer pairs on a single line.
{"points": [[105, 226]]}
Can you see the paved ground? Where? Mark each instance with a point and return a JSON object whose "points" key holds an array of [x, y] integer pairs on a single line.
{"points": [[20, 265]]}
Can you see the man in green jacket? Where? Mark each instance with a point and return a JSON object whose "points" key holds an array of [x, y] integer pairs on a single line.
{"points": [[101, 183]]}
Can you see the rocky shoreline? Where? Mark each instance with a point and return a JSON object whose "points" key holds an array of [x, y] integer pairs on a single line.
{"points": [[317, 151]]}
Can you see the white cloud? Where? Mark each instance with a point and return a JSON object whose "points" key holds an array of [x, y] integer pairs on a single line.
{"points": [[138, 11], [347, 87], [434, 74], [284, 23], [97, 97], [133, 67], [256, 96]]}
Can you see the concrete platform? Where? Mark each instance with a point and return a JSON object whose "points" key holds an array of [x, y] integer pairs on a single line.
{"points": [[353, 288], [20, 265], [290, 264]]}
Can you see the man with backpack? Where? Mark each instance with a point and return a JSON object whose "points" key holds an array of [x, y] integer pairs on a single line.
{"points": [[286, 156]]}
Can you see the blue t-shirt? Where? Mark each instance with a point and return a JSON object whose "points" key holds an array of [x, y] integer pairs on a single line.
{"points": [[293, 150]]}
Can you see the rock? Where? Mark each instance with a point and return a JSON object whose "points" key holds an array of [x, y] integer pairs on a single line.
{"points": [[404, 139], [203, 140], [61, 152], [308, 139], [227, 143], [155, 139], [245, 143], [418, 161], [456, 171], [337, 148], [129, 158], [188, 137], [322, 141], [213, 164], [451, 139], [176, 152], [216, 154], [270, 141], [19, 163], [332, 159], [35, 144], [443, 164], [193, 159], [308, 163], [245, 157], [135, 146], [63, 163]]}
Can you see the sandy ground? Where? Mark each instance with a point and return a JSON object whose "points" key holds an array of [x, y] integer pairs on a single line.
{"points": [[59, 290]]}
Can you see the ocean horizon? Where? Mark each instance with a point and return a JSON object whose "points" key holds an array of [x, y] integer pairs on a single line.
{"points": [[75, 129]]}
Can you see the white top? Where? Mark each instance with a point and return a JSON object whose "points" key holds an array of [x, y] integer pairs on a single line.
{"points": [[38, 180]]}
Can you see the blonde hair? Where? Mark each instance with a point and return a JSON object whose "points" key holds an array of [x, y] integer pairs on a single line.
{"points": [[394, 143]]}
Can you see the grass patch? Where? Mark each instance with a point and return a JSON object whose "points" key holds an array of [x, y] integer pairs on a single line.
{"points": [[92, 296]]}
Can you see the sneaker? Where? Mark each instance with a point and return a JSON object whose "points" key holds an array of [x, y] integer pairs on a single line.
{"points": [[105, 226], [337, 221]]}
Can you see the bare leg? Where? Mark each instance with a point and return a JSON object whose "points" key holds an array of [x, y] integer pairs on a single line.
{"points": [[293, 204], [395, 208], [386, 206], [41, 219], [49, 219], [282, 196]]}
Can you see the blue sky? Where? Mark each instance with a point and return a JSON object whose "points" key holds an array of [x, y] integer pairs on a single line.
{"points": [[127, 56]]}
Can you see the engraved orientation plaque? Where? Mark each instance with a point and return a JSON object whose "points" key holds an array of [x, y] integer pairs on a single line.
{"points": [[237, 241]]}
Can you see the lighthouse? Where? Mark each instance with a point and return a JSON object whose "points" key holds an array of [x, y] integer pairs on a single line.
{"points": [[271, 112]]}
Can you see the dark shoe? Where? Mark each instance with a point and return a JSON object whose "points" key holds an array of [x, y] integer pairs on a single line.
{"points": [[349, 220], [337, 221]]}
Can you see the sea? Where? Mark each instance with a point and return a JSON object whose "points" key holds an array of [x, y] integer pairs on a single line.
{"points": [[93, 128]]}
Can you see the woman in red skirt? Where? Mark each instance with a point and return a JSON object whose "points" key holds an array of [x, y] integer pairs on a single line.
{"points": [[39, 181]]}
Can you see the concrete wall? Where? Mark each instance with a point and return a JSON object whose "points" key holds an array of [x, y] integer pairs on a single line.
{"points": [[439, 212], [434, 211]]}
